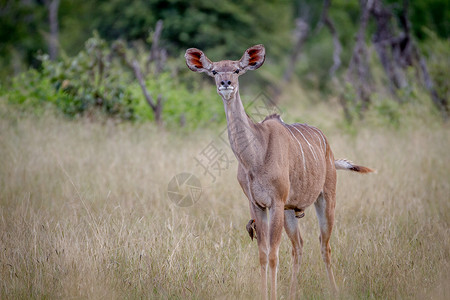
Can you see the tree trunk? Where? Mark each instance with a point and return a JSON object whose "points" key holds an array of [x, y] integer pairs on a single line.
{"points": [[53, 41], [337, 49], [157, 54], [301, 32], [411, 54], [156, 107], [397, 53], [358, 73], [440, 103], [386, 45]]}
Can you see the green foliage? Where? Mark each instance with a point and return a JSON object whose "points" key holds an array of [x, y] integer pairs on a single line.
{"points": [[96, 80], [434, 14], [351, 102], [91, 79], [318, 57], [224, 28], [19, 35], [181, 106], [31, 91], [317, 53], [388, 111], [438, 58], [221, 27]]}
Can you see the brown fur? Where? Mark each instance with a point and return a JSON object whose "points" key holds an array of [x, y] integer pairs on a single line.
{"points": [[283, 169]]}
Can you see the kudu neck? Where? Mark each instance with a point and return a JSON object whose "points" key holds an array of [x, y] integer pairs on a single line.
{"points": [[245, 140]]}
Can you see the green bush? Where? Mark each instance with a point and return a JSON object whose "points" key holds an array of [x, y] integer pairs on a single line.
{"points": [[33, 92], [93, 79], [181, 106], [439, 63], [97, 80]]}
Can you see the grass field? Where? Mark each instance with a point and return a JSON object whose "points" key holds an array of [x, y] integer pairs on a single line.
{"points": [[84, 213]]}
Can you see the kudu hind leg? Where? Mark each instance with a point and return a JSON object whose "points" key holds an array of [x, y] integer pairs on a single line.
{"points": [[293, 232], [325, 205]]}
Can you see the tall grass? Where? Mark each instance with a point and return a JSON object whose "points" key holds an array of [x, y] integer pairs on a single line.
{"points": [[84, 213]]}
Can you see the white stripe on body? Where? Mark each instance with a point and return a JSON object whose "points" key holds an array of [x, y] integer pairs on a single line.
{"points": [[312, 133], [301, 148], [322, 137], [310, 146]]}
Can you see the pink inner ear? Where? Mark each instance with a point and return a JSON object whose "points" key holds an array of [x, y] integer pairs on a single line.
{"points": [[253, 52], [194, 59], [254, 56], [254, 60]]}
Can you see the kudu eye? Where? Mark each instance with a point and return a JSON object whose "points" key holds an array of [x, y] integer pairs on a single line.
{"points": [[214, 72], [237, 71]]}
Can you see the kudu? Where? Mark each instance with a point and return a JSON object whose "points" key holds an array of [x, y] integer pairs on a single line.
{"points": [[283, 168]]}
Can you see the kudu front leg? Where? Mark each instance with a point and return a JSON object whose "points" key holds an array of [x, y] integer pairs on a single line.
{"points": [[262, 237], [275, 232]]}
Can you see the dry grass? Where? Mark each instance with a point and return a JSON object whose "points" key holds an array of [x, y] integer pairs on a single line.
{"points": [[84, 213]]}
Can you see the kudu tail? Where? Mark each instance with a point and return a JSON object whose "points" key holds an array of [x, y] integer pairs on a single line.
{"points": [[344, 164]]}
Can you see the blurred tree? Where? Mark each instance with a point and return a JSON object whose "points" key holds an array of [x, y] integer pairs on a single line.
{"points": [[224, 28], [53, 39], [19, 34], [76, 23], [431, 14], [359, 73], [326, 21]]}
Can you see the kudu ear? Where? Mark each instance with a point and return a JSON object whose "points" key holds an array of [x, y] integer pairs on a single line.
{"points": [[253, 58], [197, 61]]}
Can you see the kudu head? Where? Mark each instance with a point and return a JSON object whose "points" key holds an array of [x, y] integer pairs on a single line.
{"points": [[226, 72]]}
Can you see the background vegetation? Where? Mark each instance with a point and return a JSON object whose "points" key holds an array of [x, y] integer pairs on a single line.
{"points": [[85, 160], [86, 72]]}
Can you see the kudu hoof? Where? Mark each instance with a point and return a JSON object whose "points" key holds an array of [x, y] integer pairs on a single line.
{"points": [[251, 228]]}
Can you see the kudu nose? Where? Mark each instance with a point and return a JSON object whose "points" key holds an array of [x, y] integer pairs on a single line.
{"points": [[225, 83]]}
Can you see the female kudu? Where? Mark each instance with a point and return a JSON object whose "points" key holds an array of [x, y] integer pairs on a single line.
{"points": [[283, 168]]}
